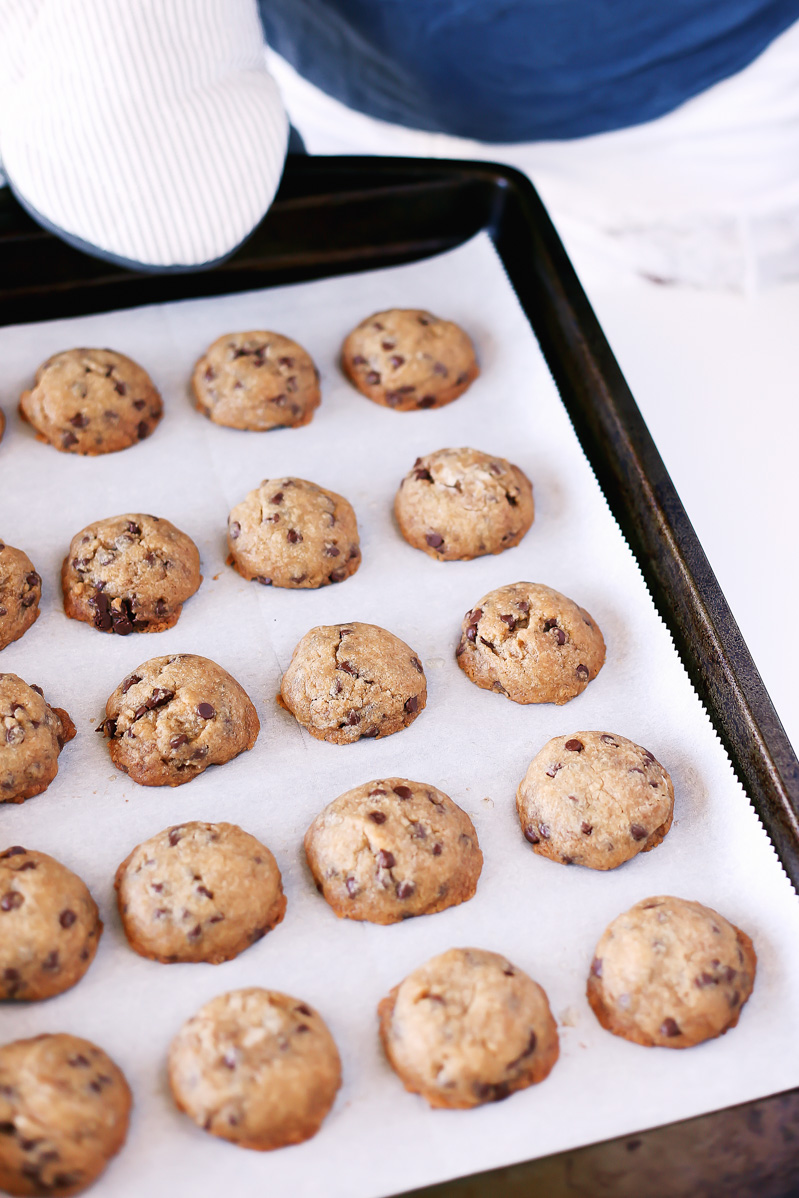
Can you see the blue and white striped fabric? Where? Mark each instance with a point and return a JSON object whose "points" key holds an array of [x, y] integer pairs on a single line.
{"points": [[147, 131]]}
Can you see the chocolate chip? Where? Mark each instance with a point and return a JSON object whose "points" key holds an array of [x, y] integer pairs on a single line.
{"points": [[14, 851], [670, 1027], [293, 536], [405, 890], [351, 887], [353, 717], [11, 900], [411, 704], [531, 835], [608, 740], [544, 830], [637, 832], [574, 746], [139, 404], [434, 540], [234, 530], [264, 581], [206, 711], [373, 378], [385, 860], [177, 741], [403, 792], [585, 828], [79, 1061], [338, 575], [553, 769], [417, 665], [596, 967], [142, 429], [68, 440], [347, 668], [51, 962], [36, 688], [427, 401], [67, 918], [377, 817], [174, 836], [332, 551], [437, 849], [423, 475], [581, 671]]}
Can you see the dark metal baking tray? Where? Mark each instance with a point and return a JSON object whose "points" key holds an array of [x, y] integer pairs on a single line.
{"points": [[340, 215]]}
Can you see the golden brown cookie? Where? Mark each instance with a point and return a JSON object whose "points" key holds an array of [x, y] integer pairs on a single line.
{"points": [[198, 892], [406, 359], [531, 644], [595, 799], [458, 504], [291, 533], [20, 593], [468, 1028], [49, 926], [345, 681], [130, 573], [174, 716], [670, 973], [393, 848], [256, 381], [32, 734], [255, 1067], [64, 1113], [91, 401]]}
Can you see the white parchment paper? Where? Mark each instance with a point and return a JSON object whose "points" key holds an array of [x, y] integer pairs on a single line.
{"points": [[473, 744]]}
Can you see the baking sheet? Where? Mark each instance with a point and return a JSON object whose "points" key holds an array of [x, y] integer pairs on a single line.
{"points": [[471, 743]]}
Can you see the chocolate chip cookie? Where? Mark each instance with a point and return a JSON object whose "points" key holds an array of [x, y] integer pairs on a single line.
{"points": [[255, 1067], [130, 573], [174, 716], [531, 644], [291, 533], [32, 734], [468, 1028], [595, 799], [256, 381], [198, 892], [345, 681], [670, 973], [393, 848], [457, 504], [91, 401], [407, 359], [64, 1113], [20, 593], [49, 926]]}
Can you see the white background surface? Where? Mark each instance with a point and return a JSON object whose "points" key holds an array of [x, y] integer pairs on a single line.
{"points": [[473, 744]]}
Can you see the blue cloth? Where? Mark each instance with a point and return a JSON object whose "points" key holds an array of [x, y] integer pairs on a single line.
{"points": [[520, 70]]}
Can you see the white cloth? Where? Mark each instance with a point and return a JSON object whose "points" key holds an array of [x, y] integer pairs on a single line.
{"points": [[706, 195], [149, 130]]}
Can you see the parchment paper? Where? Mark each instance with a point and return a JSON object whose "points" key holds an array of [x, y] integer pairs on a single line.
{"points": [[473, 744]]}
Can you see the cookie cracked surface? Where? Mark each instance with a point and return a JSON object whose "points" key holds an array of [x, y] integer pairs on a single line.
{"points": [[255, 1067], [347, 681], [129, 573], [174, 716], [458, 504], [49, 926], [258, 381], [530, 643], [198, 892], [32, 734], [595, 799], [91, 401], [20, 594], [467, 1028], [670, 973], [291, 533], [407, 359], [64, 1113], [393, 848]]}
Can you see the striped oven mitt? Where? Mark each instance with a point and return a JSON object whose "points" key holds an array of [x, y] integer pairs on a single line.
{"points": [[147, 132]]}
